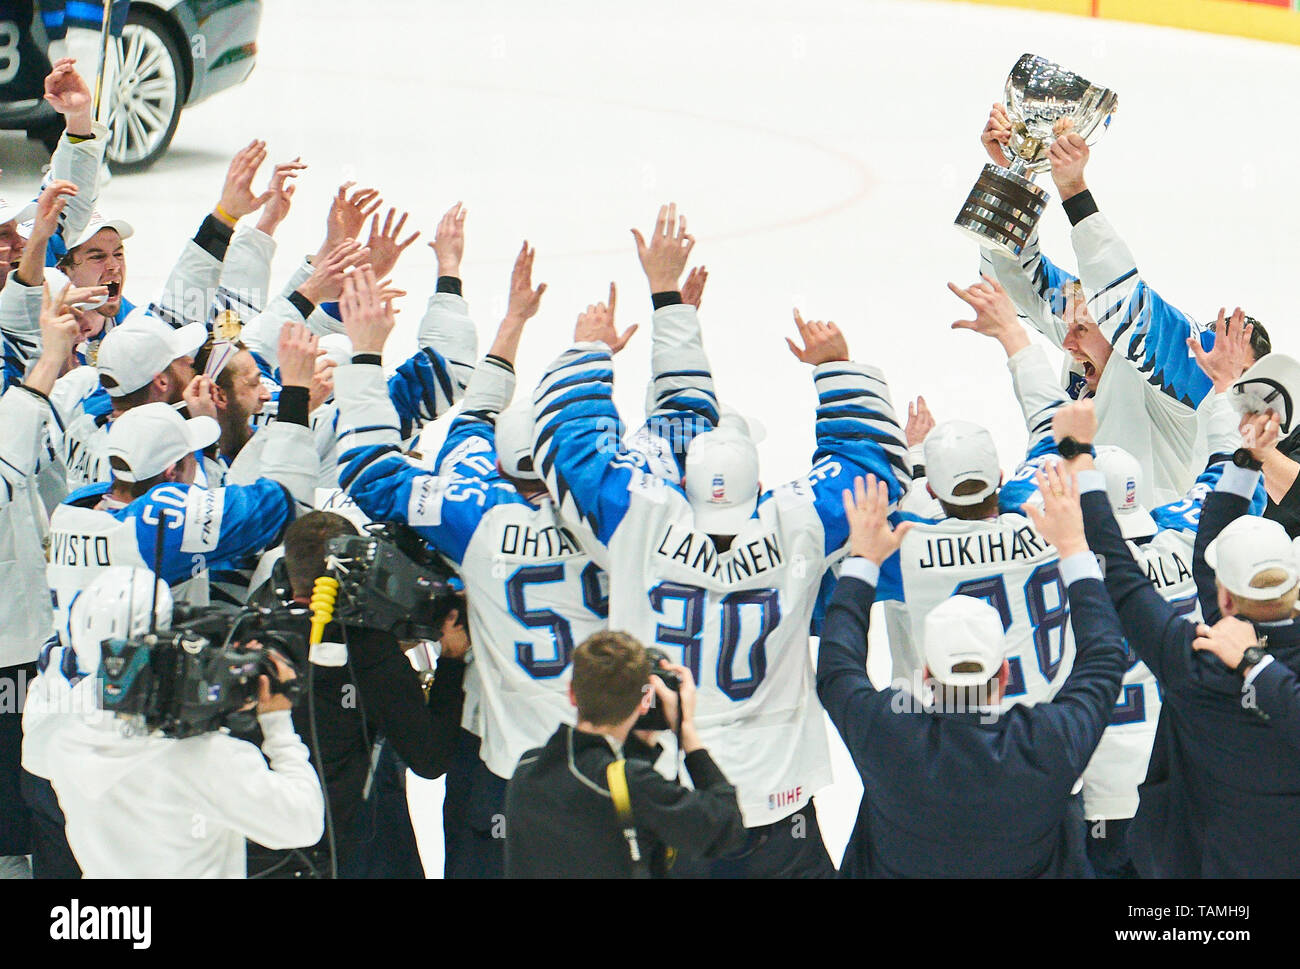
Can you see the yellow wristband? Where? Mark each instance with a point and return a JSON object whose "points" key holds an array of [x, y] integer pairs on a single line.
{"points": [[225, 215]]}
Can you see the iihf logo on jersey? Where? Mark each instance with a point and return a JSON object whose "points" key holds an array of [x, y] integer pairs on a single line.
{"points": [[719, 488]]}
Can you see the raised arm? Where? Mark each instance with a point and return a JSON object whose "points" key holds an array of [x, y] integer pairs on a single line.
{"points": [[80, 151]]}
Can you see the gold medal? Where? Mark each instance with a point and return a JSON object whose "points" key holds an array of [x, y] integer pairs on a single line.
{"points": [[227, 326]]}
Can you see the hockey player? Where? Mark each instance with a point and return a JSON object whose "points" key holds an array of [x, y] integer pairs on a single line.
{"points": [[722, 574], [1134, 352], [982, 545]]}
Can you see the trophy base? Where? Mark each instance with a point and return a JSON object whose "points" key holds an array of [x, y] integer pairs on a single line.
{"points": [[1002, 210]]}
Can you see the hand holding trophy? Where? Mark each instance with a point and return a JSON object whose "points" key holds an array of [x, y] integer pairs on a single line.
{"points": [[1042, 100]]}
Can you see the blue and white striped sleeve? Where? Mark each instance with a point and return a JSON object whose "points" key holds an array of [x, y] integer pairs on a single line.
{"points": [[578, 440], [423, 389], [1036, 286], [684, 402], [1037, 390]]}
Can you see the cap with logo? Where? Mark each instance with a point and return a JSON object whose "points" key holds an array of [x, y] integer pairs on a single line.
{"points": [[1123, 480], [143, 347], [152, 437], [514, 441], [722, 480], [957, 452], [964, 642], [1272, 383], [1248, 547], [16, 211]]}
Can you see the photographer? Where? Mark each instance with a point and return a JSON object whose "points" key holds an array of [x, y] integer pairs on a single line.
{"points": [[373, 719], [144, 805], [590, 804]]}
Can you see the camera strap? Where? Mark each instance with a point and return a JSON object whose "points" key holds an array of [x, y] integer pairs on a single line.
{"points": [[616, 776]]}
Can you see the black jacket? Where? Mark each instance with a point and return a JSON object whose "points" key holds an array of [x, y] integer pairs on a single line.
{"points": [[1222, 792], [967, 794], [1287, 511], [561, 821]]}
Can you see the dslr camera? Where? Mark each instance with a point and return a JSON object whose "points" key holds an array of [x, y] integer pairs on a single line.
{"points": [[654, 719], [192, 679]]}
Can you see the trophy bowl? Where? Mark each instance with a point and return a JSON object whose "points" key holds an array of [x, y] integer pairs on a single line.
{"points": [[1042, 99]]}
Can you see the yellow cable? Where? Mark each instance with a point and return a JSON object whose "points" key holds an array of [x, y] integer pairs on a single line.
{"points": [[323, 593]]}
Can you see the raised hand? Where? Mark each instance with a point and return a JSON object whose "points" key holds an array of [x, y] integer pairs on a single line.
{"points": [[822, 342], [596, 324], [59, 335], [367, 319], [449, 240], [348, 214], [920, 422], [237, 198], [383, 245], [1260, 433], [1069, 157], [867, 511], [299, 348], [997, 135], [1077, 419], [326, 280], [524, 300], [66, 92], [995, 314], [1231, 355], [200, 396], [322, 383], [693, 288], [279, 195], [49, 206], [1061, 519], [664, 257]]}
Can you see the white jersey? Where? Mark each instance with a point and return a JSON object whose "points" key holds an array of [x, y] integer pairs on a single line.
{"points": [[739, 618], [534, 592]]}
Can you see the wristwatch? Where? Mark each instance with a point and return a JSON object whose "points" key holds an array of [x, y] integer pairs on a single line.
{"points": [[1070, 448], [1242, 458], [1252, 656]]}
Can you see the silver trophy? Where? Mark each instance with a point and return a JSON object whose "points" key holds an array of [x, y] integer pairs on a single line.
{"points": [[1005, 205]]}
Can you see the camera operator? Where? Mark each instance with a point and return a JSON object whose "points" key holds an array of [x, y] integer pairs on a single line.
{"points": [[590, 804], [144, 805], [373, 719]]}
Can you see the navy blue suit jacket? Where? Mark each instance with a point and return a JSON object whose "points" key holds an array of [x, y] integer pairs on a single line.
{"points": [[966, 794], [1222, 793]]}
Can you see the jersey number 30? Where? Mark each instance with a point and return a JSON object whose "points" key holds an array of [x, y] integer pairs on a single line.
{"points": [[687, 635]]}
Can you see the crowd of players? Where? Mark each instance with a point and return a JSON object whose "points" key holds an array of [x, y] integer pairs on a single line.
{"points": [[191, 436]]}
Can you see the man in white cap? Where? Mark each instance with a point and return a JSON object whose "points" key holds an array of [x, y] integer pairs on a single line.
{"points": [[961, 786], [143, 361], [1162, 542], [131, 800], [1222, 793], [983, 545], [722, 574]]}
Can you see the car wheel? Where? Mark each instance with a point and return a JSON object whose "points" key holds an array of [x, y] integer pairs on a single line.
{"points": [[148, 94]]}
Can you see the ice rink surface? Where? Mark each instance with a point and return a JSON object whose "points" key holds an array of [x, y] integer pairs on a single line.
{"points": [[821, 152]]}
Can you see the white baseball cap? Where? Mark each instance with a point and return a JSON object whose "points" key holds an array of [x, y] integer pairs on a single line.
{"points": [[967, 632], [116, 605], [152, 437], [1123, 479], [16, 211], [1245, 548], [959, 451], [97, 222], [722, 480], [750, 427], [143, 347], [514, 440], [1272, 383]]}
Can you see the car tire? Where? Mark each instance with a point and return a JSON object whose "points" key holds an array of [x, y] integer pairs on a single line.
{"points": [[149, 95]]}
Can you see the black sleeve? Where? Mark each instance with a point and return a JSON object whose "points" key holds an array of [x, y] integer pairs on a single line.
{"points": [[843, 686], [1159, 635], [301, 303], [1220, 509], [449, 284], [213, 237], [294, 406], [704, 822], [666, 298], [423, 734]]}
